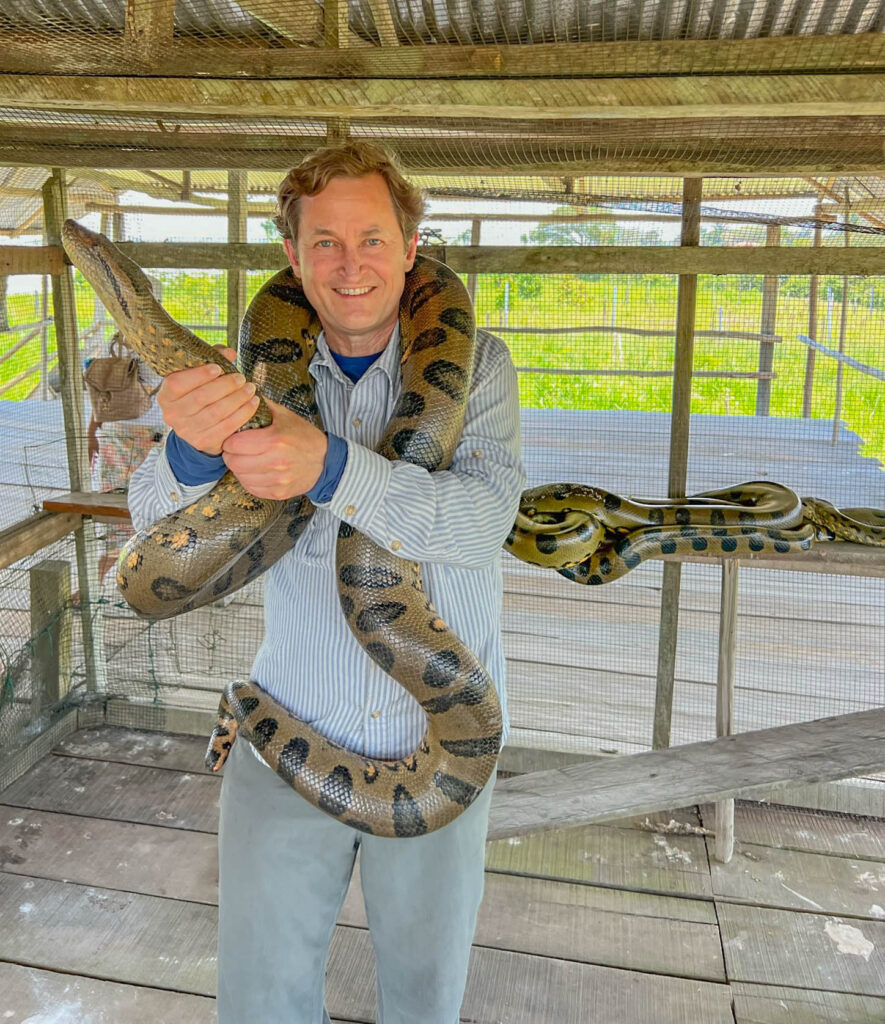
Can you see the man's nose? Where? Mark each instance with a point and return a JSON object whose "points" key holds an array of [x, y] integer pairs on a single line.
{"points": [[351, 260]]}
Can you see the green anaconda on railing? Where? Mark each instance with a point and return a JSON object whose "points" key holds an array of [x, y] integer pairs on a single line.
{"points": [[229, 537]]}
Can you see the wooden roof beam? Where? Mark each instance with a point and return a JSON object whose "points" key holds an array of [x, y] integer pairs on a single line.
{"points": [[698, 96], [301, 22], [148, 29]]}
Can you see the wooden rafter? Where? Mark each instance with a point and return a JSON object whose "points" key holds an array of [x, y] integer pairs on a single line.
{"points": [[148, 28], [301, 22], [701, 97]]}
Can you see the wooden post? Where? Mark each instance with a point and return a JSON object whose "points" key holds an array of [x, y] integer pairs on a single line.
{"points": [[71, 373], [812, 325], [44, 335], [680, 418], [237, 198], [50, 633], [336, 35], [475, 230], [4, 313], [767, 328], [724, 846], [148, 28], [843, 326]]}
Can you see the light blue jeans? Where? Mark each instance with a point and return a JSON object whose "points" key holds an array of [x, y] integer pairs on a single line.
{"points": [[284, 870]]}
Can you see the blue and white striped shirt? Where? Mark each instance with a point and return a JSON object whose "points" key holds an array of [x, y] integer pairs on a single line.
{"points": [[452, 522]]}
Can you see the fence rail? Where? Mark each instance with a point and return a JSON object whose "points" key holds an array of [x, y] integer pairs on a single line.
{"points": [[870, 371]]}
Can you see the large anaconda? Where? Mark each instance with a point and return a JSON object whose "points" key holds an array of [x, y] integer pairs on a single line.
{"points": [[227, 538]]}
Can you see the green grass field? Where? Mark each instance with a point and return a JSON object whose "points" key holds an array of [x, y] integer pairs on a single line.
{"points": [[641, 301]]}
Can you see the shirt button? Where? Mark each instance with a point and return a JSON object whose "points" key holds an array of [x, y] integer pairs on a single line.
{"points": [[396, 545], [477, 453], [376, 714], [350, 510], [173, 495], [357, 422]]}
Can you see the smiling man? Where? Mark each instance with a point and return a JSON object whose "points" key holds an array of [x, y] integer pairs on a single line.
{"points": [[349, 221]]}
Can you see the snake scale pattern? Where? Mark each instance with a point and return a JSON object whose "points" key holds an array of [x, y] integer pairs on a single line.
{"points": [[224, 540]]}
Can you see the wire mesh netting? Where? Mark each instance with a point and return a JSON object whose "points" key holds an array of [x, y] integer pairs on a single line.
{"points": [[595, 354], [485, 105]]}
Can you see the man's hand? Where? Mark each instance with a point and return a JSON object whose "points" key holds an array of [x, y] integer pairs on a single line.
{"points": [[278, 461], [204, 406]]}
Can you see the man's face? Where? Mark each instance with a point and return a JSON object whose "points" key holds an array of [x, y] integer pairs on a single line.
{"points": [[352, 261]]}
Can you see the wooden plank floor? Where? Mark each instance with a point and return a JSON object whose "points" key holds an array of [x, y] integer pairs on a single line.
{"points": [[108, 908]]}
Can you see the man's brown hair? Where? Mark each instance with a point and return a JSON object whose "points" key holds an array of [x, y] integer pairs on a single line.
{"points": [[354, 159]]}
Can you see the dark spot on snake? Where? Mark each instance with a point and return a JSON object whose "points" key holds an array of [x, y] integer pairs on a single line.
{"points": [[584, 531], [246, 706], [781, 545], [757, 543], [114, 283], [683, 516], [360, 826], [167, 589], [631, 559], [594, 581], [378, 615], [346, 531], [263, 732], [457, 790], [292, 758], [433, 337], [223, 582], [668, 547], [295, 526], [347, 605], [410, 404], [418, 447], [277, 350], [560, 491], [300, 400], [424, 294], [699, 543], [447, 377], [447, 701], [545, 544], [407, 817], [441, 669], [371, 576], [382, 655], [336, 791], [293, 294], [477, 747], [746, 517], [458, 319], [511, 537], [212, 757], [717, 517], [611, 503], [656, 516], [729, 543]]}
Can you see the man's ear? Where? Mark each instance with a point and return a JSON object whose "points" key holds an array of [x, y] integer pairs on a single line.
{"points": [[289, 246], [412, 252]]}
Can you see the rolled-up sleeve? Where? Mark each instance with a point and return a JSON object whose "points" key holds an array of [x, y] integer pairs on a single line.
{"points": [[459, 516]]}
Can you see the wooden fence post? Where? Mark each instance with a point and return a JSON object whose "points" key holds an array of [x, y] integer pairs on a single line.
{"points": [[767, 328], [50, 633], [237, 198]]}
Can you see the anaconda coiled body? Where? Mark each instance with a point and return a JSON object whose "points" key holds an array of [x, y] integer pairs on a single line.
{"points": [[229, 537]]}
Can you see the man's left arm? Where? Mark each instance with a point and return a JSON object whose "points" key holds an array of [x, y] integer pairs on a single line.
{"points": [[459, 516]]}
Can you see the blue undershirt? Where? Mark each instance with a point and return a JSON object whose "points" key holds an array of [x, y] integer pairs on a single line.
{"points": [[191, 466]]}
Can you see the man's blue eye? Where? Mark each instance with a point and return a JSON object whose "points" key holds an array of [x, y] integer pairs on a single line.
{"points": [[373, 241]]}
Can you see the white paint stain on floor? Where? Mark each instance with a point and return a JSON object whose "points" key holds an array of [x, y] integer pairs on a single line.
{"points": [[848, 940]]}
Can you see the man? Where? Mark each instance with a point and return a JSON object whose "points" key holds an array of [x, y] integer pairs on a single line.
{"points": [[350, 222]]}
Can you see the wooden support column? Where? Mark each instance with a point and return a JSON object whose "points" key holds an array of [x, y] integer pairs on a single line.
{"points": [[843, 327], [686, 304], [336, 36], [237, 197], [475, 230], [724, 846], [72, 395], [50, 600], [767, 328], [813, 283], [4, 314]]}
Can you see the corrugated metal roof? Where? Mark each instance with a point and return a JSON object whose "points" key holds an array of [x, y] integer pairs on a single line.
{"points": [[489, 21]]}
